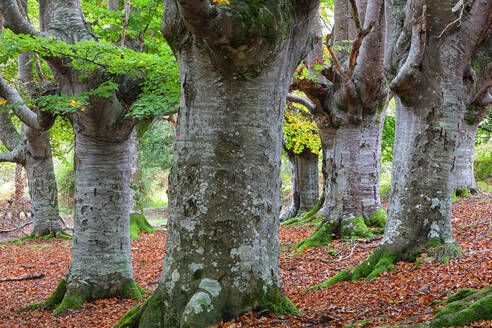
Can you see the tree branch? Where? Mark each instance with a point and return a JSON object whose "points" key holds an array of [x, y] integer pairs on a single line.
{"points": [[9, 135], [198, 15], [354, 53], [24, 113], [15, 21], [15, 156], [407, 75], [316, 92], [302, 101]]}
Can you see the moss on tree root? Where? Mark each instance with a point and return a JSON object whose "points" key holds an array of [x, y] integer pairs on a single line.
{"points": [[463, 308], [320, 237], [51, 235], [308, 216], [273, 300], [132, 317], [377, 219], [64, 298], [139, 223]]}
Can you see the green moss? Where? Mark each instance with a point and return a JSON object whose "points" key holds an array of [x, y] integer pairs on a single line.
{"points": [[377, 219], [57, 296], [461, 294], [308, 216], [454, 199], [139, 223], [340, 107], [405, 102], [72, 300], [345, 275], [132, 290], [320, 237], [434, 242], [378, 262], [275, 301], [355, 228], [484, 187], [336, 123], [132, 317], [459, 313], [32, 307], [462, 192]]}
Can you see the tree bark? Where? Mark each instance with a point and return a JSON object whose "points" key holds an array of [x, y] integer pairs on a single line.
{"points": [[464, 158], [135, 174], [101, 256], [43, 191], [305, 193], [430, 102], [222, 246]]}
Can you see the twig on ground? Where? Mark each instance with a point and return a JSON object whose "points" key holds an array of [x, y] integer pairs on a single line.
{"points": [[18, 228], [29, 277]]}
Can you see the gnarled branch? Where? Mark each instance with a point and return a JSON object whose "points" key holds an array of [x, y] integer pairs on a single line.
{"points": [[15, 21], [24, 113], [407, 75], [302, 101]]}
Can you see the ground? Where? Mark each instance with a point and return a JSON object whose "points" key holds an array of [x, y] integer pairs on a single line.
{"points": [[398, 297]]}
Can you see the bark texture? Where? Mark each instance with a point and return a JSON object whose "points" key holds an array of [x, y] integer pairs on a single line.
{"points": [[428, 82], [101, 258], [304, 175], [222, 247], [351, 96]]}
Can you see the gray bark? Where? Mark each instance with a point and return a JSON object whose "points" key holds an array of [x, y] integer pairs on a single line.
{"points": [[430, 100], [464, 157], [222, 245], [101, 262], [352, 102], [305, 194], [43, 191], [135, 173]]}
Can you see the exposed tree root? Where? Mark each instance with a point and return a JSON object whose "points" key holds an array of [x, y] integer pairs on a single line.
{"points": [[463, 308], [51, 235], [381, 261], [64, 298], [307, 217], [138, 223]]}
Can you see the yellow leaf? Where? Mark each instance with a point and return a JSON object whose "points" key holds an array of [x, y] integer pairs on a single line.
{"points": [[222, 1]]}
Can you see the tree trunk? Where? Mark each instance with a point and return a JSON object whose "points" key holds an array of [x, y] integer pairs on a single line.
{"points": [[101, 257], [42, 183], [354, 183], [305, 194], [462, 169], [222, 245], [19, 183], [135, 174]]}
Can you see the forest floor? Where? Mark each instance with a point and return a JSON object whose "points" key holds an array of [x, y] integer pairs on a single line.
{"points": [[398, 297]]}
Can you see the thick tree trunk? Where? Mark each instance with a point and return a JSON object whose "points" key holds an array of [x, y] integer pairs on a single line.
{"points": [[419, 209], [327, 136], [354, 183], [19, 184], [305, 193], [462, 169], [222, 245], [135, 174], [101, 256], [42, 183]]}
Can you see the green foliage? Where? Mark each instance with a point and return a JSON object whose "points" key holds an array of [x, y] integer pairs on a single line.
{"points": [[388, 139], [300, 130], [159, 72], [156, 146], [483, 162], [65, 181], [138, 223]]}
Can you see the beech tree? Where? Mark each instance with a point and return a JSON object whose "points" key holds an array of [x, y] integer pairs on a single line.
{"points": [[102, 94], [301, 145], [352, 101], [30, 147], [478, 85], [428, 54], [235, 63]]}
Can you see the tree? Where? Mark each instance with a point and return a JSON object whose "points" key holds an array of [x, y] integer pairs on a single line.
{"points": [[222, 247], [31, 148], [100, 95], [301, 145], [352, 102], [428, 53], [478, 88]]}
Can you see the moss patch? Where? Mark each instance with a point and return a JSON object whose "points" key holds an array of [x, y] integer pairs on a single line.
{"points": [[132, 317], [72, 300], [139, 223], [132, 290], [273, 300], [320, 237], [465, 307], [377, 219], [462, 192], [379, 261], [355, 228], [57, 296], [308, 216]]}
